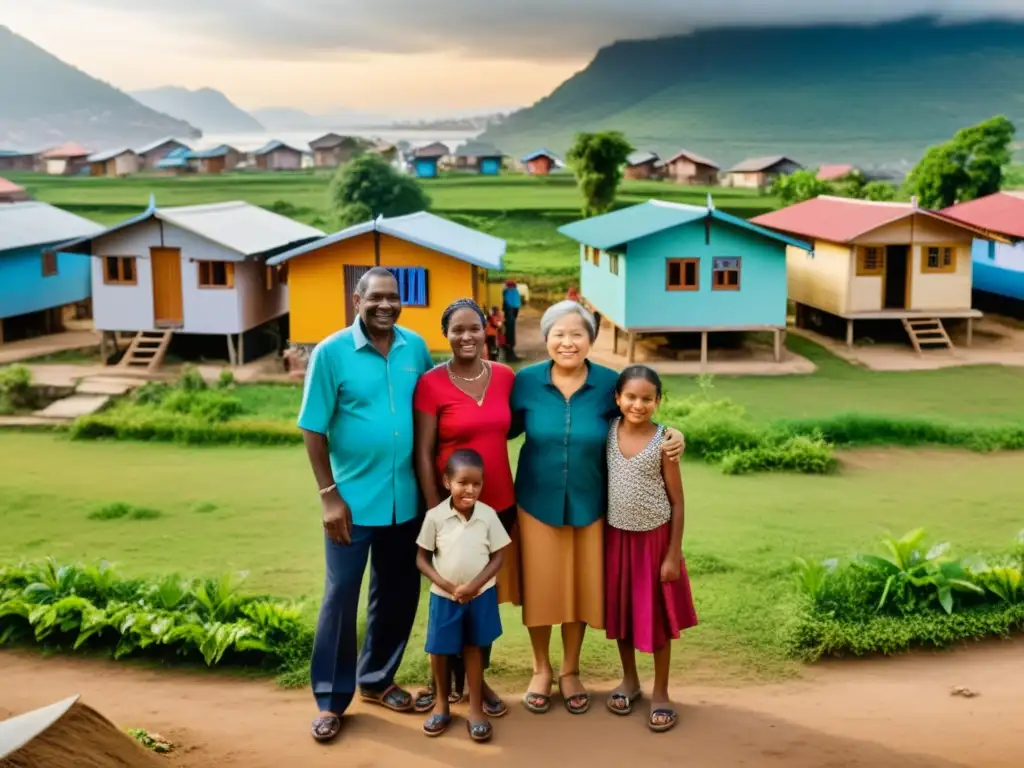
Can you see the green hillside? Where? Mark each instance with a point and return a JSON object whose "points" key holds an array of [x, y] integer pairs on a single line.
{"points": [[44, 102], [868, 95]]}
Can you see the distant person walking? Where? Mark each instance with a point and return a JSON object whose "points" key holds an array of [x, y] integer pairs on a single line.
{"points": [[511, 301], [357, 424]]}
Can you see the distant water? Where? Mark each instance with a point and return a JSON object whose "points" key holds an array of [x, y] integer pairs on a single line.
{"points": [[300, 139]]}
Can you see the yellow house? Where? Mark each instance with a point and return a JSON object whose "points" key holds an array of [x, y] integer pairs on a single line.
{"points": [[435, 261], [879, 261]]}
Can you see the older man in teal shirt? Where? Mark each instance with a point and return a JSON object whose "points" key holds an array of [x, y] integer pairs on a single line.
{"points": [[357, 422]]}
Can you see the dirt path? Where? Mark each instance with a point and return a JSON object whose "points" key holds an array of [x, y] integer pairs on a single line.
{"points": [[895, 712]]}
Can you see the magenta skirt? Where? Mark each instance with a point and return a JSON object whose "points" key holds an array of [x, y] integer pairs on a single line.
{"points": [[638, 606]]}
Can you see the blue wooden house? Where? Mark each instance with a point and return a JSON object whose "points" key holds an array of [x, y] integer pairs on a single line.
{"points": [[998, 267], [425, 160], [476, 156], [36, 282], [662, 268]]}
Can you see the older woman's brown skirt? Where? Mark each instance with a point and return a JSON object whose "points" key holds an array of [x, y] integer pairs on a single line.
{"points": [[509, 579], [562, 573]]}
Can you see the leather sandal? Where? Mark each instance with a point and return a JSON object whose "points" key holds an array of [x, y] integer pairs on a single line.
{"points": [[326, 727], [574, 709], [435, 725], [392, 697]]}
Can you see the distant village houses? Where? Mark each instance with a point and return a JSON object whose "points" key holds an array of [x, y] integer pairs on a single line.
{"points": [[761, 172], [834, 172], [425, 160], [13, 160], [641, 165], [482, 158], [11, 192], [217, 160], [685, 167], [151, 154], [68, 159], [114, 163], [541, 163], [278, 156], [332, 149]]}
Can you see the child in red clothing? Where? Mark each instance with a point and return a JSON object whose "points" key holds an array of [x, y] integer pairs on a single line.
{"points": [[647, 591], [495, 335]]}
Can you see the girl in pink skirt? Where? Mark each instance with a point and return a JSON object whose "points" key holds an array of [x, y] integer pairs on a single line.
{"points": [[647, 592]]}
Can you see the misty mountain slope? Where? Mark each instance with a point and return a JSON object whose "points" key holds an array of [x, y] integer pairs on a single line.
{"points": [[44, 101], [860, 94], [207, 108]]}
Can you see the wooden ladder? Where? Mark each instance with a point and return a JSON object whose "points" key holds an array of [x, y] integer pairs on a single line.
{"points": [[930, 333], [146, 351]]}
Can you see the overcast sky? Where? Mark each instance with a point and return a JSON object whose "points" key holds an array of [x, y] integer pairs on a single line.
{"points": [[396, 54]]}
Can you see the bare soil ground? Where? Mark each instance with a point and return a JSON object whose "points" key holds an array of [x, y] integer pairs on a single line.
{"points": [[877, 713]]}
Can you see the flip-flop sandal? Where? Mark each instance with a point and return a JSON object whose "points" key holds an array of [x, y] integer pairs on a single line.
{"points": [[537, 709], [664, 712], [454, 697], [495, 707], [435, 725], [577, 709], [424, 701], [393, 698], [622, 704], [326, 728], [479, 731]]}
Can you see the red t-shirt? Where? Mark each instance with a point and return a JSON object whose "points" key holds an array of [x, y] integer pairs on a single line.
{"points": [[461, 423]]}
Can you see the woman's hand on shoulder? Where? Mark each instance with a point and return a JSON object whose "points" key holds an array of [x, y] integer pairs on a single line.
{"points": [[674, 444]]}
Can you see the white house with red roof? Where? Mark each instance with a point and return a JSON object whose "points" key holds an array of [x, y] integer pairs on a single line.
{"points": [[998, 267], [880, 261]]}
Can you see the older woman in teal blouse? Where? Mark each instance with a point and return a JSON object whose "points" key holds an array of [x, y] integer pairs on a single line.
{"points": [[564, 407]]}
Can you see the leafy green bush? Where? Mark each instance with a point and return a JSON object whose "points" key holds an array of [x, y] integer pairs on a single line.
{"points": [[189, 430], [852, 429], [119, 510], [912, 595], [75, 606], [15, 389]]}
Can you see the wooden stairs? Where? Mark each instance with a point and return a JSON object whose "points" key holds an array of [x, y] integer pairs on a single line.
{"points": [[146, 352], [927, 333]]}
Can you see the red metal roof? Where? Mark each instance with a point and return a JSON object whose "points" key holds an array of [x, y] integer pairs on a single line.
{"points": [[7, 187], [833, 172], [1002, 213], [66, 150]]}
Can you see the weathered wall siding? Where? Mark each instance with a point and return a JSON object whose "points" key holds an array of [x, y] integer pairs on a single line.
{"points": [[607, 292], [23, 288], [284, 159], [257, 305], [126, 165], [821, 281], [747, 180], [125, 307], [941, 291], [999, 268], [919, 229], [761, 299], [208, 310], [865, 292]]}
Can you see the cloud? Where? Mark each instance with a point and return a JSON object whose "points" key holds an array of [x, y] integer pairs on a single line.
{"points": [[515, 29]]}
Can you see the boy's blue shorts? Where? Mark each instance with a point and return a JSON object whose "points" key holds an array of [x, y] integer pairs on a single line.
{"points": [[452, 625]]}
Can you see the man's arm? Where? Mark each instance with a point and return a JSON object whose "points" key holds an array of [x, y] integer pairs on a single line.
{"points": [[337, 516]]}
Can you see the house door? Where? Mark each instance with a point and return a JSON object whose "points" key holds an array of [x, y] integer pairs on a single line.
{"points": [[167, 304], [352, 275], [895, 291]]}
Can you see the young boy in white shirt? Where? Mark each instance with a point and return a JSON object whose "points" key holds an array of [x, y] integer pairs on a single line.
{"points": [[461, 549]]}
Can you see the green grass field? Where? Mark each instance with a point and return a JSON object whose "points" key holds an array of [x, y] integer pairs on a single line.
{"points": [[256, 510]]}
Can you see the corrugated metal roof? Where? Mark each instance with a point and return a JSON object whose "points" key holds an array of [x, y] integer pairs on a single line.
{"points": [[832, 172], [238, 226], [219, 151], [542, 152], [628, 224], [639, 158], [109, 154], [1002, 212], [424, 229], [327, 141], [157, 144], [692, 156], [757, 164], [478, 149], [67, 150], [34, 223], [841, 219], [270, 146], [437, 149]]}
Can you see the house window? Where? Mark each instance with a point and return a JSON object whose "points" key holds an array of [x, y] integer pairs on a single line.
{"points": [[725, 274], [597, 257], [613, 263], [938, 259], [119, 270], [216, 274], [49, 264], [413, 285], [682, 274], [870, 261]]}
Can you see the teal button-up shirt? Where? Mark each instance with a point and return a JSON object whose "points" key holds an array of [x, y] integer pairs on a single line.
{"points": [[362, 401], [562, 478]]}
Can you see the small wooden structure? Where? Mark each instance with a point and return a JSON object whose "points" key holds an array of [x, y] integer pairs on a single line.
{"points": [[425, 160], [69, 159], [641, 165], [151, 154], [12, 193], [198, 269], [760, 172], [997, 268], [277, 156], [14, 160], [661, 268], [835, 172], [541, 162], [217, 160], [114, 163], [332, 149], [879, 261], [435, 261], [685, 167], [481, 158]]}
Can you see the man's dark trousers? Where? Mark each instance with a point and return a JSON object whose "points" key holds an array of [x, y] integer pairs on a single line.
{"points": [[511, 315], [390, 613]]}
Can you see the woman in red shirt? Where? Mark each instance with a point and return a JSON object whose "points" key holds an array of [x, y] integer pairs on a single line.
{"points": [[464, 403]]}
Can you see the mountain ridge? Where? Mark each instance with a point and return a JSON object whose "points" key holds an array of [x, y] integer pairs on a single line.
{"points": [[206, 107], [866, 94]]}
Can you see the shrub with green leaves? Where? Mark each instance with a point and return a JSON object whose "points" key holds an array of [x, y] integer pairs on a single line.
{"points": [[912, 594], [15, 389], [75, 606]]}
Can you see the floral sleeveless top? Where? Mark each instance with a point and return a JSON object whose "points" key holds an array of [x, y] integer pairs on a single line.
{"points": [[637, 500]]}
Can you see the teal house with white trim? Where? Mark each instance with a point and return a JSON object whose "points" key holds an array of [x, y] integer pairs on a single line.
{"points": [[660, 268]]}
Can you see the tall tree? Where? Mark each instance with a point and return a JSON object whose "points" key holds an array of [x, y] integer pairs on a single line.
{"points": [[597, 160], [799, 186], [968, 166], [369, 186]]}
